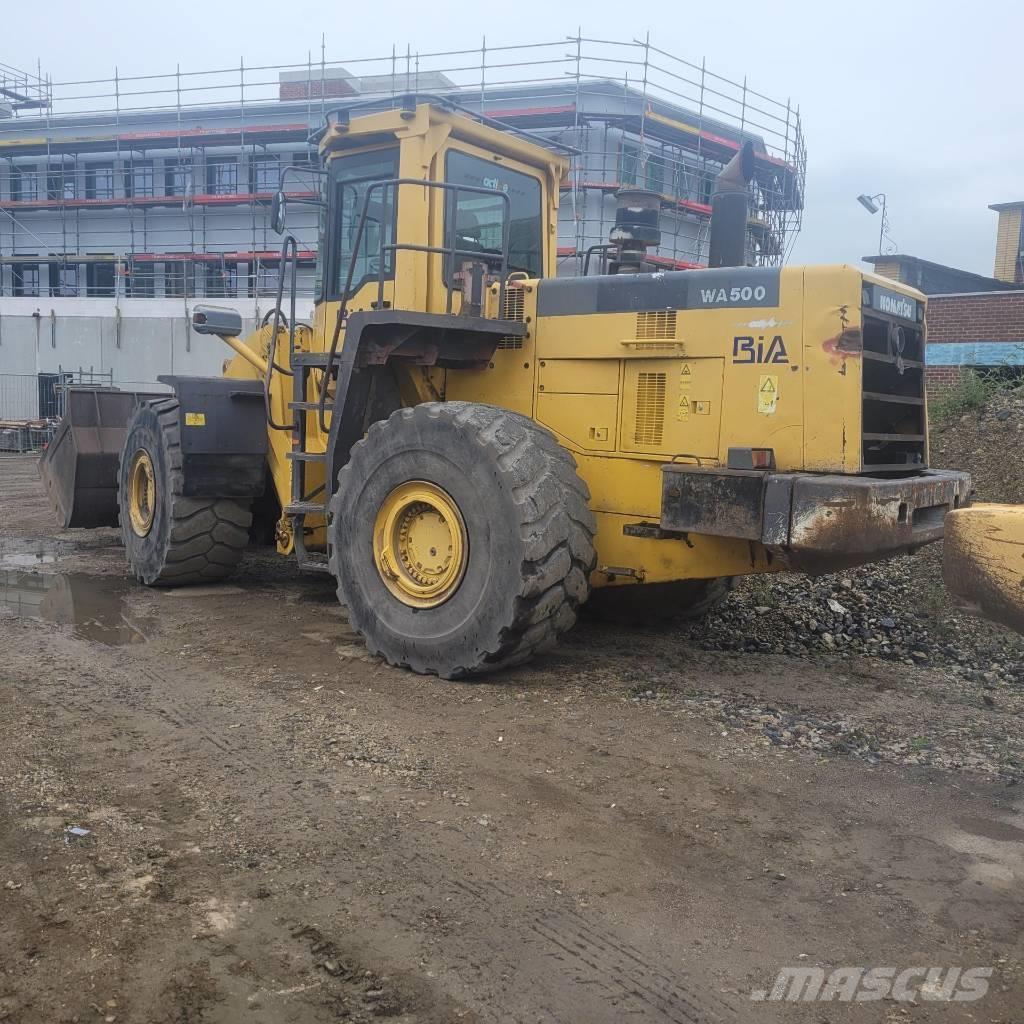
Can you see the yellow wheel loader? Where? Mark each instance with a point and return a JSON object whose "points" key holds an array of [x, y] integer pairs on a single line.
{"points": [[474, 447]]}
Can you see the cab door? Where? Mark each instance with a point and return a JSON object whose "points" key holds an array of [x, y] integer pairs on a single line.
{"points": [[357, 262]]}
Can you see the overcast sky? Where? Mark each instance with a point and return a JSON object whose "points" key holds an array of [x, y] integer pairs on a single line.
{"points": [[920, 99]]}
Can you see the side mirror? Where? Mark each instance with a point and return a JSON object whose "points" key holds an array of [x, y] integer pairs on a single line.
{"points": [[277, 212]]}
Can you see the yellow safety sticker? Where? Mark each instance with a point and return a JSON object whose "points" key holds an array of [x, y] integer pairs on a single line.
{"points": [[683, 410], [767, 393], [685, 374], [195, 419]]}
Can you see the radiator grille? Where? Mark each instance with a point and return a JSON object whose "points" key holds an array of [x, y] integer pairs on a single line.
{"points": [[893, 430], [650, 409], [656, 324], [513, 307]]}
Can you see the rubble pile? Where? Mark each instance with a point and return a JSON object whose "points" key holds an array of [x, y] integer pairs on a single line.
{"points": [[899, 609]]}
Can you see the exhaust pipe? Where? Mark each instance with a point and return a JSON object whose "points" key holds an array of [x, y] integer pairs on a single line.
{"points": [[728, 241]]}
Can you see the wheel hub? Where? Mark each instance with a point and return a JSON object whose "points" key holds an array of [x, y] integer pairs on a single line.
{"points": [[420, 544], [141, 493]]}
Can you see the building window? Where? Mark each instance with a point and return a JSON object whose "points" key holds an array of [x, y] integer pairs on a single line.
{"points": [[221, 280], [264, 174], [64, 279], [24, 184], [60, 183], [656, 172], [26, 278], [222, 176], [177, 177], [99, 181], [141, 280], [178, 279], [629, 163], [138, 179], [707, 186], [99, 279]]}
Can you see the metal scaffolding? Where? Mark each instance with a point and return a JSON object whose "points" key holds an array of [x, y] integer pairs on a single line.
{"points": [[160, 185]]}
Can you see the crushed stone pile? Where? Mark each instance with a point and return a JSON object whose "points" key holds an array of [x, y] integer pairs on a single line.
{"points": [[899, 609]]}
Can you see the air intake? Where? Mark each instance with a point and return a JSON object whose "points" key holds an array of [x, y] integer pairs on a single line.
{"points": [[650, 409], [513, 307], [656, 325]]}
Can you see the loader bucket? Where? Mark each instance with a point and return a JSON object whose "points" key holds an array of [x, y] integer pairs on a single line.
{"points": [[80, 465], [983, 561]]}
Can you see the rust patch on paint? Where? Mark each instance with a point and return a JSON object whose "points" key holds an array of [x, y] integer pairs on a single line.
{"points": [[849, 342]]}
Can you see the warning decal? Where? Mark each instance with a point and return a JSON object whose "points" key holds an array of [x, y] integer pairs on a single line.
{"points": [[767, 393]]}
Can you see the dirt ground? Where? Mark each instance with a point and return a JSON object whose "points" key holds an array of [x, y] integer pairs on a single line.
{"points": [[281, 829]]}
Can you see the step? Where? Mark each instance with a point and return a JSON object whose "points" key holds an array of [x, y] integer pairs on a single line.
{"points": [[307, 456], [314, 563], [305, 508], [313, 358], [304, 405]]}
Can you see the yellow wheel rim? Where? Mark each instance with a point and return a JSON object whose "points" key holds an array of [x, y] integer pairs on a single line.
{"points": [[141, 492], [420, 545]]}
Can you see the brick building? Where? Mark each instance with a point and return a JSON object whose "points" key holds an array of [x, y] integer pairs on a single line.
{"points": [[934, 278], [974, 322], [973, 330], [1010, 242]]}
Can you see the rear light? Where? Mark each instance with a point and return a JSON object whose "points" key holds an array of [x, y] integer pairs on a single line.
{"points": [[751, 458]]}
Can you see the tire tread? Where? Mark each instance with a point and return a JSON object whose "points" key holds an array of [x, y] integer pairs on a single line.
{"points": [[555, 523], [206, 537]]}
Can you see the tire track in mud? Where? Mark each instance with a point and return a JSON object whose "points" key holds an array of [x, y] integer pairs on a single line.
{"points": [[596, 971]]}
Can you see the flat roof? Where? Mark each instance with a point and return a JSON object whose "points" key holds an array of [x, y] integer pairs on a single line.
{"points": [[1007, 206], [967, 274]]}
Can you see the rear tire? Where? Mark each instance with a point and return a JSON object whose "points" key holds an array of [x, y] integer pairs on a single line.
{"points": [[171, 539], [658, 604], [521, 539]]}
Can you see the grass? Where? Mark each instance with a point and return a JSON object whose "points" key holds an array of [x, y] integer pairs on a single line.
{"points": [[972, 392]]}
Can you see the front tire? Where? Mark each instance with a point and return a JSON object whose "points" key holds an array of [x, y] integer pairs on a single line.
{"points": [[460, 539], [170, 539]]}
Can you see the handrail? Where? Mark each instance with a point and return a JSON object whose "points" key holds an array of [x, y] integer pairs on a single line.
{"points": [[450, 252], [289, 242]]}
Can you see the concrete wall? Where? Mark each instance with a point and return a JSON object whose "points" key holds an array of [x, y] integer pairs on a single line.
{"points": [[136, 340]]}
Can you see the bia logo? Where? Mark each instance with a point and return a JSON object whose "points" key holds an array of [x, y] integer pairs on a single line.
{"points": [[748, 349]]}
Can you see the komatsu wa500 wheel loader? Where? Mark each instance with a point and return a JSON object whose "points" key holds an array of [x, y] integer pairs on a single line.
{"points": [[471, 446]]}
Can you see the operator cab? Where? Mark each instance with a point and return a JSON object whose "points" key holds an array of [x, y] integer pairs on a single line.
{"points": [[424, 209]]}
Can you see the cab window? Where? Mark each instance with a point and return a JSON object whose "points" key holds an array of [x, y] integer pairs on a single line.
{"points": [[351, 178], [479, 219]]}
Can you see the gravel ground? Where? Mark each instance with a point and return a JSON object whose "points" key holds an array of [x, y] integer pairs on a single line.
{"points": [[641, 826], [896, 611]]}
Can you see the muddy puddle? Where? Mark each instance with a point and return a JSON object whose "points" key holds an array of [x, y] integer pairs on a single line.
{"points": [[94, 608], [23, 553]]}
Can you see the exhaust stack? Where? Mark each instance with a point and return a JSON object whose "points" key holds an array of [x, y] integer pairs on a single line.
{"points": [[728, 242]]}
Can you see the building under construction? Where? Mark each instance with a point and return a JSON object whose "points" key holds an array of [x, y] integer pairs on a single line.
{"points": [[123, 199], [159, 187]]}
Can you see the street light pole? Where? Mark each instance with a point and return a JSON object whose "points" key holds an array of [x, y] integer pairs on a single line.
{"points": [[870, 203]]}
